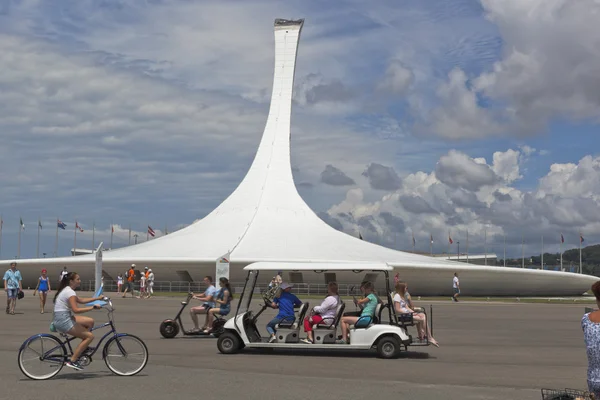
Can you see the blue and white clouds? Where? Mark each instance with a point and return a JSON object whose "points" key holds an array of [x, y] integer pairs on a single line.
{"points": [[150, 111]]}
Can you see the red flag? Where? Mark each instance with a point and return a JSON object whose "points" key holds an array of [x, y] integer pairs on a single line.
{"points": [[112, 227], [450, 239], [78, 227], [151, 231], [562, 238]]}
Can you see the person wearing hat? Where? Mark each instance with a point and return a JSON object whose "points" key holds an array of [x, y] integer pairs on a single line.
{"points": [[12, 286], [130, 281], [150, 283], [43, 287], [285, 301]]}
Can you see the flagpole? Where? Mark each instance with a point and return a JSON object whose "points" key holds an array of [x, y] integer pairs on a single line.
{"points": [[448, 245], [485, 245], [561, 253], [56, 241], [504, 249], [580, 264], [94, 236], [431, 245], [112, 231], [542, 252], [75, 240], [1, 224], [21, 227], [413, 237], [467, 246], [37, 247], [130, 234], [522, 250]]}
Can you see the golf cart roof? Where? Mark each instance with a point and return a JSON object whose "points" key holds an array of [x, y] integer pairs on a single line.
{"points": [[317, 266]]}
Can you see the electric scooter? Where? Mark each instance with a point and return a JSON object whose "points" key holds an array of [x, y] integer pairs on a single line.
{"points": [[170, 328]]}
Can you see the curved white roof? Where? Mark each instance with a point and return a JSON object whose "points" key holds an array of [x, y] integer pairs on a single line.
{"points": [[265, 219]]}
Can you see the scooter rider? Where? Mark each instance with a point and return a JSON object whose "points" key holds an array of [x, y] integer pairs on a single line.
{"points": [[208, 298]]}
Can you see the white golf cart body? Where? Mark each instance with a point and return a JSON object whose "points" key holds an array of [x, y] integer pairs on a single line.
{"points": [[242, 330]]}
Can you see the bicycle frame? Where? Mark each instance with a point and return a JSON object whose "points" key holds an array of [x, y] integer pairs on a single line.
{"points": [[66, 343]]}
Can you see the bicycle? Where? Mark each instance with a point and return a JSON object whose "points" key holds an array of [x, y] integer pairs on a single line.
{"points": [[51, 361]]}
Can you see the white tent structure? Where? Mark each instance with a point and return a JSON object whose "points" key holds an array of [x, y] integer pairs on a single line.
{"points": [[265, 219]]}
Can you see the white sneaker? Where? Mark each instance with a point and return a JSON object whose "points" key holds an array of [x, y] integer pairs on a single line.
{"points": [[273, 338]]}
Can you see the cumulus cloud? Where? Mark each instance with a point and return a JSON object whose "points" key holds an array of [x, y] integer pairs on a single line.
{"points": [[397, 79], [382, 177], [335, 177], [547, 70], [465, 193], [456, 169]]}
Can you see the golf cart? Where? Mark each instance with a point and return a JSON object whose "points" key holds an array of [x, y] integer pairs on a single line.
{"points": [[389, 338]]}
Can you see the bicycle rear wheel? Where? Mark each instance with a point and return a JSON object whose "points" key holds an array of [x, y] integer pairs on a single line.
{"points": [[125, 355], [41, 357]]}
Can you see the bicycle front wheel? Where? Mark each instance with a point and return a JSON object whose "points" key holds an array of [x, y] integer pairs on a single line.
{"points": [[41, 357], [125, 355]]}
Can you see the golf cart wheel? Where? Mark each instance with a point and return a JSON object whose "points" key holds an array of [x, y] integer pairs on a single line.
{"points": [[169, 329], [388, 347], [229, 343]]}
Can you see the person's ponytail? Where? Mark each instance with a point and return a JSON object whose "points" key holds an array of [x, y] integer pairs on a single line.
{"points": [[64, 282]]}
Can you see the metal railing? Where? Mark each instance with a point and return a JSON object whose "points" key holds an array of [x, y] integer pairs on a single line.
{"points": [[199, 287]]}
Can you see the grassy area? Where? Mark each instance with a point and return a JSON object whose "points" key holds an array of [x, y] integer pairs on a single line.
{"points": [[543, 300]]}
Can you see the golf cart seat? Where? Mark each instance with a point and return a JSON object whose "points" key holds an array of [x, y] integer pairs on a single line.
{"points": [[296, 322], [324, 333], [374, 319], [289, 331]]}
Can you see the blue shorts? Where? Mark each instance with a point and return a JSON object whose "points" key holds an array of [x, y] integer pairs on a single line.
{"points": [[63, 321], [12, 293], [363, 322], [456, 290]]}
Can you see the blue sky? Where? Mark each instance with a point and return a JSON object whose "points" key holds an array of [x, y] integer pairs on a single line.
{"points": [[437, 112]]}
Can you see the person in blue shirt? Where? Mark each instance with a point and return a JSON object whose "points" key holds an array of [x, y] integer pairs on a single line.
{"points": [[285, 302], [12, 287], [43, 287], [208, 298]]}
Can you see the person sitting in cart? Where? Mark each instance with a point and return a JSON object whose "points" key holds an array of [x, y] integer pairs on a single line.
{"points": [[285, 301], [401, 307], [207, 297], [223, 303], [366, 317], [325, 312]]}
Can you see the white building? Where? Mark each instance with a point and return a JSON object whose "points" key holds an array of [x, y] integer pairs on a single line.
{"points": [[265, 219]]}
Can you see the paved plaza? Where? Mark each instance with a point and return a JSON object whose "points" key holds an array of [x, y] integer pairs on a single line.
{"points": [[488, 351]]}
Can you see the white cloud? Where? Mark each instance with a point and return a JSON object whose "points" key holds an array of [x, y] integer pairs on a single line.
{"points": [[506, 164], [397, 79]]}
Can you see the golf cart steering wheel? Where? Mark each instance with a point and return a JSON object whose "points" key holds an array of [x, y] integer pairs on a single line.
{"points": [[268, 302], [360, 306]]}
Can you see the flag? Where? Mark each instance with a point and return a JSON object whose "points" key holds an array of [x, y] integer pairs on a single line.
{"points": [[151, 231], [61, 224], [450, 240], [40, 224], [360, 236], [562, 238], [78, 227], [581, 238], [413, 236], [112, 227], [22, 224], [431, 238]]}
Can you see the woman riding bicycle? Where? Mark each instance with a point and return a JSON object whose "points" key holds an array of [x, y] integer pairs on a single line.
{"points": [[66, 304]]}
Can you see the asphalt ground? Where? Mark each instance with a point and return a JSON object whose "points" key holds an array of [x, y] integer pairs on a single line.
{"points": [[488, 351]]}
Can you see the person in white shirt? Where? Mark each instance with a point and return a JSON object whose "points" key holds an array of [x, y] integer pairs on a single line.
{"points": [[150, 283], [62, 274], [324, 313], [400, 307], [142, 286], [66, 304], [455, 287]]}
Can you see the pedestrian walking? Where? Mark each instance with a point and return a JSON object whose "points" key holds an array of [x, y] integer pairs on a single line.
{"points": [[455, 288], [150, 283], [13, 285], [42, 287], [63, 273], [119, 283]]}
